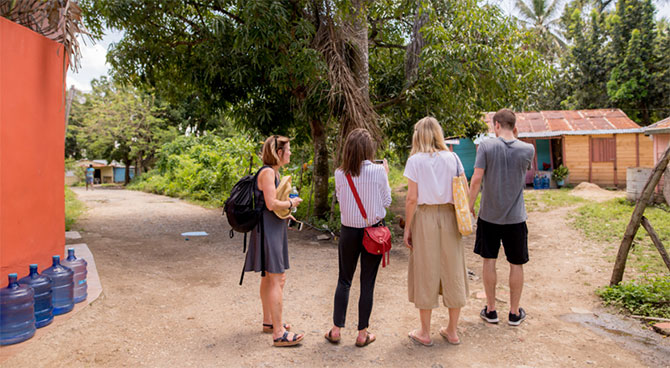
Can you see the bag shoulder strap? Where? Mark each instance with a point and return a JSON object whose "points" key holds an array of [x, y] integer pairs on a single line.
{"points": [[358, 199], [458, 163]]}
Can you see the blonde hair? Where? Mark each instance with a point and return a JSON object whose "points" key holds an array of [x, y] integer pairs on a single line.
{"points": [[428, 136]]}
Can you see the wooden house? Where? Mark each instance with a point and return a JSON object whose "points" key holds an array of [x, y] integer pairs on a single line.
{"points": [[660, 133], [595, 145]]}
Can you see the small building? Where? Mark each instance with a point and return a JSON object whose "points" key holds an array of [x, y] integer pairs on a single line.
{"points": [[660, 133], [107, 173], [595, 145]]}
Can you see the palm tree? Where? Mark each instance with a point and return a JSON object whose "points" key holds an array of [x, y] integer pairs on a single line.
{"points": [[58, 20], [542, 16]]}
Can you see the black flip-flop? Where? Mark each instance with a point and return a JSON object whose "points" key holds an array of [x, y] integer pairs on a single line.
{"points": [[284, 341]]}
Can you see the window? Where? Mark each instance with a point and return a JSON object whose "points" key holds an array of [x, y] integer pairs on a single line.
{"points": [[603, 149]]}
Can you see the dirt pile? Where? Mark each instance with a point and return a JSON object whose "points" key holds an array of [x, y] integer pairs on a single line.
{"points": [[593, 192]]}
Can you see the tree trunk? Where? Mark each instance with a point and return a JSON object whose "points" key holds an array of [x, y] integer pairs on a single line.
{"points": [[321, 171], [126, 180], [360, 39]]}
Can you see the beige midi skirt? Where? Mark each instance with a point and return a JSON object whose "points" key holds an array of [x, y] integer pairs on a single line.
{"points": [[437, 262]]}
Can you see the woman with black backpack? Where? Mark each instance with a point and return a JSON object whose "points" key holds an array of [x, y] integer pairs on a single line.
{"points": [[271, 234]]}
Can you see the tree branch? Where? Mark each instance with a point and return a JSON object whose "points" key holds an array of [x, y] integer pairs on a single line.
{"points": [[377, 43]]}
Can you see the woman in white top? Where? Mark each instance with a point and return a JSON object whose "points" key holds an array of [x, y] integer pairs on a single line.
{"points": [[437, 259], [371, 182]]}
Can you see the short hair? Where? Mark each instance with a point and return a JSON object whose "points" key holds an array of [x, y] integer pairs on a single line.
{"points": [[358, 147], [90, 165], [506, 119], [428, 136], [271, 148]]}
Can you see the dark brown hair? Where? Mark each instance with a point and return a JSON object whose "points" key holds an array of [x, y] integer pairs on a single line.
{"points": [[271, 148], [358, 147], [506, 119]]}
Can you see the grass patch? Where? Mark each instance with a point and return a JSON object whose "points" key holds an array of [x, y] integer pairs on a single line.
{"points": [[644, 297], [546, 200], [607, 221], [73, 208]]}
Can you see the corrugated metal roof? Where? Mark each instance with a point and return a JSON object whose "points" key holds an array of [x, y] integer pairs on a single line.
{"points": [[662, 125], [571, 122]]}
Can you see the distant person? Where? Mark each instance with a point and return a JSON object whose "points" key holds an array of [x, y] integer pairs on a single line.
{"points": [[275, 154], [371, 183], [437, 256], [501, 166], [90, 173]]}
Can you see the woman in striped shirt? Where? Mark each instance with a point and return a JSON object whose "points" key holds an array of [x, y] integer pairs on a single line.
{"points": [[371, 182]]}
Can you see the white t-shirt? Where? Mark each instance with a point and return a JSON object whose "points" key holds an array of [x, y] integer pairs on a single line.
{"points": [[433, 174]]}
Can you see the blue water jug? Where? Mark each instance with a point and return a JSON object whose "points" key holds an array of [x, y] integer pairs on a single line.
{"points": [[545, 182], [78, 266], [17, 313], [62, 287], [41, 284], [536, 182]]}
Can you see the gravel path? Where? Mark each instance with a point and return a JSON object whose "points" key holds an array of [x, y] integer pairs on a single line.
{"points": [[168, 302]]}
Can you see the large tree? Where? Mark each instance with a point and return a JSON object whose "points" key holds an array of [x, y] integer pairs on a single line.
{"points": [[325, 67], [119, 123], [542, 16]]}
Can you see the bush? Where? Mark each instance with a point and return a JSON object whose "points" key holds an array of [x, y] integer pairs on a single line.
{"points": [[646, 297], [200, 168]]}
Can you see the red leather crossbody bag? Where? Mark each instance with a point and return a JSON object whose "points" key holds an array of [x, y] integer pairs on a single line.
{"points": [[377, 238]]}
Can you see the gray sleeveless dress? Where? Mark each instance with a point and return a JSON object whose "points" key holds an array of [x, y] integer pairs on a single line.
{"points": [[276, 243]]}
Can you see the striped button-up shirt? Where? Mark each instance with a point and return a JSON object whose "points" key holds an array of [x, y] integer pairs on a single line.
{"points": [[373, 188]]}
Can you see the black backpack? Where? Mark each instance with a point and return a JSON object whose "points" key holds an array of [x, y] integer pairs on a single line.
{"points": [[244, 211]]}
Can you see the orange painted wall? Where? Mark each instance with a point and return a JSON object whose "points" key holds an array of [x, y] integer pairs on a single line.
{"points": [[32, 203]]}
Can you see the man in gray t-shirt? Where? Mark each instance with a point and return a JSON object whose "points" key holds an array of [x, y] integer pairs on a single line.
{"points": [[501, 167]]}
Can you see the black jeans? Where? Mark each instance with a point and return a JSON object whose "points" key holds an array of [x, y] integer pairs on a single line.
{"points": [[350, 247]]}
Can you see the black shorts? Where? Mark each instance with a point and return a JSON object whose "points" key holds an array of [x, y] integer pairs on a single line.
{"points": [[514, 239]]}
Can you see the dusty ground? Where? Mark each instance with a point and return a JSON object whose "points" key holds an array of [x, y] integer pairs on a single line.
{"points": [[168, 302]]}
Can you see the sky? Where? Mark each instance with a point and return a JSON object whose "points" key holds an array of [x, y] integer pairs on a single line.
{"points": [[94, 65]]}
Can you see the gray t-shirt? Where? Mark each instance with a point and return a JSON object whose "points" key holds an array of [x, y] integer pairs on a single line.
{"points": [[505, 164]]}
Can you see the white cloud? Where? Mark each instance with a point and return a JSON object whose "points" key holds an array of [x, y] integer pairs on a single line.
{"points": [[93, 61]]}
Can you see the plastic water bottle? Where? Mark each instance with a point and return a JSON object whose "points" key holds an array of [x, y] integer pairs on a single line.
{"points": [[17, 313], [63, 286], [291, 195], [78, 266], [536, 182], [41, 284]]}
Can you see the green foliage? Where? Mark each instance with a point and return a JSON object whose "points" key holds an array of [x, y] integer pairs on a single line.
{"points": [[615, 58], [645, 297], [119, 123], [560, 173], [73, 208], [201, 168], [471, 62], [607, 221], [633, 36]]}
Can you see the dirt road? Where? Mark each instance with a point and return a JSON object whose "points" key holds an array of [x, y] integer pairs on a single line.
{"points": [[168, 302]]}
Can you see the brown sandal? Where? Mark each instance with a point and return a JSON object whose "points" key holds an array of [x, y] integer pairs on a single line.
{"points": [[329, 337], [367, 341]]}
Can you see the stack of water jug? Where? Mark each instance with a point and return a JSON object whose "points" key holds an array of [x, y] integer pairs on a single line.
{"points": [[33, 301]]}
